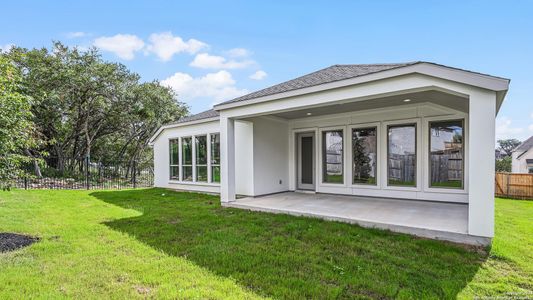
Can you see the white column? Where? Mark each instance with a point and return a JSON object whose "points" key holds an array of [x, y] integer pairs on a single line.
{"points": [[481, 135], [227, 159]]}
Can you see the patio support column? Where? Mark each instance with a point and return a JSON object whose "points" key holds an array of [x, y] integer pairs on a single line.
{"points": [[481, 135], [227, 159]]}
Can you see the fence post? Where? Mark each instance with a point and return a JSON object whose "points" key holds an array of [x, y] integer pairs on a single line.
{"points": [[134, 177], [25, 182], [87, 172]]}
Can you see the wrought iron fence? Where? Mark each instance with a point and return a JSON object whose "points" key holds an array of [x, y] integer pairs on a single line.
{"points": [[88, 175]]}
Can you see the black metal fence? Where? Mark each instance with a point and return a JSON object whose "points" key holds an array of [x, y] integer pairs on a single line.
{"points": [[87, 175]]}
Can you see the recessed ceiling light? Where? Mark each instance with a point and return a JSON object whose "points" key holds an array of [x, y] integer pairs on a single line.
{"points": [[407, 100], [309, 114]]}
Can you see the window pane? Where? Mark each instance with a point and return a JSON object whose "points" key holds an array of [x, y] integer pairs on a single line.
{"points": [[364, 153], [402, 155], [187, 173], [215, 173], [201, 173], [201, 150], [332, 157], [446, 154], [186, 151], [174, 172], [215, 149], [174, 152]]}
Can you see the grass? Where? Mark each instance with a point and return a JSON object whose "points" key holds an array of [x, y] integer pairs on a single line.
{"points": [[158, 243]]}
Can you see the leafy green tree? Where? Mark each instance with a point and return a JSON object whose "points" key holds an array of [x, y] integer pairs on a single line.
{"points": [[507, 146], [15, 121], [361, 161], [504, 164]]}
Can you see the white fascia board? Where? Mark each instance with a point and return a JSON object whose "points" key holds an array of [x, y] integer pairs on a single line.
{"points": [[158, 132], [465, 77]]}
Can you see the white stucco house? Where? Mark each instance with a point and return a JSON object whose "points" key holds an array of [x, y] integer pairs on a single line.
{"points": [[407, 147], [522, 157]]}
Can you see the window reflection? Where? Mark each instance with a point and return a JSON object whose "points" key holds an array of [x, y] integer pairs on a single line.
{"points": [[364, 154], [401, 160], [332, 160], [446, 154]]}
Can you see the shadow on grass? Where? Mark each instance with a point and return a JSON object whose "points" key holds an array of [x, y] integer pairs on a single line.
{"points": [[293, 257]]}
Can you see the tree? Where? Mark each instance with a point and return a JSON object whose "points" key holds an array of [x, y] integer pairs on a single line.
{"points": [[504, 164], [507, 146], [84, 106], [361, 161], [15, 121]]}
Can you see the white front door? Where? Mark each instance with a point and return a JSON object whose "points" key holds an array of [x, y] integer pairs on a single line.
{"points": [[305, 157]]}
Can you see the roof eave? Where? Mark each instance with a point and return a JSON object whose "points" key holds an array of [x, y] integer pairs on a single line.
{"points": [[164, 127], [498, 84]]}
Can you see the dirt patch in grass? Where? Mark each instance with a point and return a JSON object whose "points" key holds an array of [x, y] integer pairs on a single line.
{"points": [[13, 241]]}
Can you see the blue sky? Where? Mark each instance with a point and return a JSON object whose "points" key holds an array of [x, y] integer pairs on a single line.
{"points": [[210, 51]]}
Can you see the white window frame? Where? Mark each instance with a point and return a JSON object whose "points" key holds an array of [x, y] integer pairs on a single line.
{"points": [[321, 158], [419, 152], [426, 153], [182, 165], [379, 162], [210, 163], [195, 163], [176, 164]]}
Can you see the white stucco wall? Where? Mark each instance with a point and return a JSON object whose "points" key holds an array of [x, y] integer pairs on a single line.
{"points": [[519, 165], [270, 164]]}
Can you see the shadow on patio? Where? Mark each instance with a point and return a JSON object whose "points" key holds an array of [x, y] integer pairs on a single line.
{"points": [[294, 257]]}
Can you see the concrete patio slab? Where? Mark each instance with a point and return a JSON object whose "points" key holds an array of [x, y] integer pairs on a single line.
{"points": [[436, 220]]}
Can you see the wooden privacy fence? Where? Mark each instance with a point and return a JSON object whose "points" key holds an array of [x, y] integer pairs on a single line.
{"points": [[519, 186]]}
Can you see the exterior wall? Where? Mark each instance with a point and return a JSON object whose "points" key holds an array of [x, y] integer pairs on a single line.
{"points": [[244, 150], [270, 159], [520, 164], [421, 114]]}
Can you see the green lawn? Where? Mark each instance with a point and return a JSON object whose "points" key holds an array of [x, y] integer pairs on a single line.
{"points": [[158, 243]]}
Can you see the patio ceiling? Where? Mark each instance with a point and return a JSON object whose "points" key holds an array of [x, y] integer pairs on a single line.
{"points": [[437, 97]]}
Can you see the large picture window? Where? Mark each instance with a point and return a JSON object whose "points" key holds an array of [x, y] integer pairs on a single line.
{"points": [[446, 154], [401, 155], [332, 156], [215, 157], [174, 159], [364, 155], [201, 158], [186, 158]]}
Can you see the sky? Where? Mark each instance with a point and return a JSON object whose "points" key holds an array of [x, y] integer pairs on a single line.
{"points": [[212, 51]]}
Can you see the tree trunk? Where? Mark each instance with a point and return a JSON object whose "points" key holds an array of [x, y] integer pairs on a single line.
{"points": [[36, 168]]}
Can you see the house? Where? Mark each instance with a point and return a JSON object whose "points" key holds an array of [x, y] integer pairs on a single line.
{"points": [[522, 157], [407, 147]]}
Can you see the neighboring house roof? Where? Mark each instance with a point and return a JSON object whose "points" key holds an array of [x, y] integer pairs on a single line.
{"points": [[526, 145], [332, 74]]}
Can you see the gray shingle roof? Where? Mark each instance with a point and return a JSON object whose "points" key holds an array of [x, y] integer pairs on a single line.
{"points": [[327, 75], [526, 145], [199, 116]]}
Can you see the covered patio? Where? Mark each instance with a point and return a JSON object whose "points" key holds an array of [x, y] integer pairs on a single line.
{"points": [[437, 220]]}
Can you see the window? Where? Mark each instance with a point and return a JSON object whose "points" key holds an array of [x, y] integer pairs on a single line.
{"points": [[446, 154], [215, 157], [186, 158], [401, 155], [174, 159], [364, 155], [201, 158], [332, 160]]}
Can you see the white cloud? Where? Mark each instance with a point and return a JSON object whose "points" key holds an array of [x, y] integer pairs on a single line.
{"points": [[6, 47], [239, 52], [207, 61], [165, 45], [123, 45], [259, 75], [218, 86], [505, 129], [76, 34]]}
